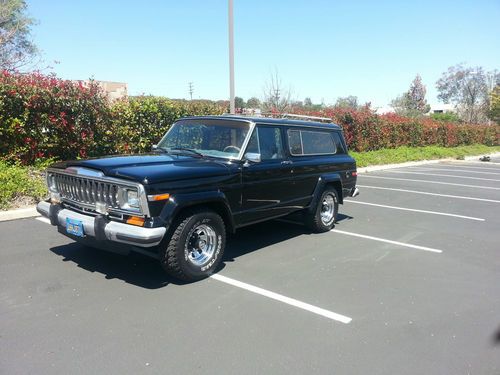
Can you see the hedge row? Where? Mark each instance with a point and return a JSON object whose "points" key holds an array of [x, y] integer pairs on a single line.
{"points": [[42, 116], [366, 131]]}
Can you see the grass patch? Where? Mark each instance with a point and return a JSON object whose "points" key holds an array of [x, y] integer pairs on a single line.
{"points": [[403, 154], [20, 186]]}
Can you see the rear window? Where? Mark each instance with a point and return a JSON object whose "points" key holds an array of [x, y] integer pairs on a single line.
{"points": [[310, 142]]}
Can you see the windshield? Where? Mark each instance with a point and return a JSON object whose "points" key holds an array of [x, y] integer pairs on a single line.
{"points": [[216, 138]]}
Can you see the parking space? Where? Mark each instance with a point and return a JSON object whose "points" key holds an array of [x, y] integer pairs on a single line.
{"points": [[407, 282]]}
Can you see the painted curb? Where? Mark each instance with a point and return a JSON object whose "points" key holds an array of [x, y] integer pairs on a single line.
{"points": [[20, 213]]}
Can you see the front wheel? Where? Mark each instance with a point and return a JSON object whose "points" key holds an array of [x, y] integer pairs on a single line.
{"points": [[196, 246], [324, 215]]}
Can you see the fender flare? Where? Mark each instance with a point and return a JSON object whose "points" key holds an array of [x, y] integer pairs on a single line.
{"points": [[180, 201], [323, 180]]}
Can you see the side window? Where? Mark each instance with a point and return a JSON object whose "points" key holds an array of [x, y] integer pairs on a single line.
{"points": [[338, 143], [317, 143], [267, 142], [309, 142], [295, 142]]}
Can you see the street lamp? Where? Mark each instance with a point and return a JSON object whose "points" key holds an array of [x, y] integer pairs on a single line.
{"points": [[231, 58]]}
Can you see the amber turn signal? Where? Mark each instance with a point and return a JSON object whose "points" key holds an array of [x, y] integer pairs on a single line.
{"points": [[158, 197], [135, 220]]}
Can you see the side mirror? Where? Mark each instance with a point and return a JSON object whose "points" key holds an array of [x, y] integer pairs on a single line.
{"points": [[252, 157]]}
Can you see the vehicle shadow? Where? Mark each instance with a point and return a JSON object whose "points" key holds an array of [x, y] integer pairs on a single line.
{"points": [[147, 273]]}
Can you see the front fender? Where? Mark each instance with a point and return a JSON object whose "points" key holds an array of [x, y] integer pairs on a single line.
{"points": [[180, 201]]}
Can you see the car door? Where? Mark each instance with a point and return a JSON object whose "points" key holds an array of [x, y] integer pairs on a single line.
{"points": [[266, 184]]}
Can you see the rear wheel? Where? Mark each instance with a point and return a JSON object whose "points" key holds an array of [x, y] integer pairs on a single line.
{"points": [[324, 215], [196, 246]]}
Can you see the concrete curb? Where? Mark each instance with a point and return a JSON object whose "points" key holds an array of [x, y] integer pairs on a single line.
{"points": [[23, 213], [20, 213], [374, 168]]}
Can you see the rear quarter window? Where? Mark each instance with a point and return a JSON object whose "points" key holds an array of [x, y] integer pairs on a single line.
{"points": [[311, 142]]}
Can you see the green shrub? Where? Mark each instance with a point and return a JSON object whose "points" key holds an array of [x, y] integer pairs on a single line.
{"points": [[21, 185], [140, 122]]}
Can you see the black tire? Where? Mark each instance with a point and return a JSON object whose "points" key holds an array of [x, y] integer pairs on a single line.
{"points": [[317, 222], [195, 231]]}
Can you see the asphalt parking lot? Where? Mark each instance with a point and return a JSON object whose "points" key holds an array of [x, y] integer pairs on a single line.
{"points": [[408, 282]]}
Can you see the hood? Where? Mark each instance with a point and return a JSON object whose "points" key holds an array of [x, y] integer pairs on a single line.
{"points": [[152, 168]]}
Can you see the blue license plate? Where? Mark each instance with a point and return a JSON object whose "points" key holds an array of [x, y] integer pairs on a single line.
{"points": [[74, 227]]}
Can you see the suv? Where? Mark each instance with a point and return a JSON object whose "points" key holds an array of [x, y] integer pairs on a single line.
{"points": [[206, 177]]}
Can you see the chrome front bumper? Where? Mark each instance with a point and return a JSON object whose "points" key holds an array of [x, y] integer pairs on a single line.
{"points": [[110, 230]]}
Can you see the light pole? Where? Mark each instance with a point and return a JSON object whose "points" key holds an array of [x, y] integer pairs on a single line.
{"points": [[231, 58]]}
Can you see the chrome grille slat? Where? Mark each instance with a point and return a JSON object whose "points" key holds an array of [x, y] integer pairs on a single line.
{"points": [[85, 192]]}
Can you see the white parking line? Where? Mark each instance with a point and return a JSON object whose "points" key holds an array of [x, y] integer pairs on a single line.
{"points": [[451, 170], [424, 248], [432, 182], [444, 175], [266, 293], [43, 219], [427, 193], [281, 298], [414, 210], [458, 163]]}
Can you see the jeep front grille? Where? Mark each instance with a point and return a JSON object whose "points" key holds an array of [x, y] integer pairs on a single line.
{"points": [[87, 191]]}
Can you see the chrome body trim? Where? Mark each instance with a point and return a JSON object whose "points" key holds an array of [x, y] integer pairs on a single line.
{"points": [[92, 197], [114, 231]]}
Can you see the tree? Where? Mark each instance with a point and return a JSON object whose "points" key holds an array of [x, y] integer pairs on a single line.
{"points": [[347, 102], [412, 103], [494, 111], [308, 102], [277, 98], [253, 102], [16, 48], [467, 88], [239, 102]]}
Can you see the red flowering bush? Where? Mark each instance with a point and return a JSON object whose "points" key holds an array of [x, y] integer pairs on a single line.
{"points": [[43, 116], [366, 131]]}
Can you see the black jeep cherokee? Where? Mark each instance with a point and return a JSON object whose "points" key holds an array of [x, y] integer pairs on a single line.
{"points": [[207, 176]]}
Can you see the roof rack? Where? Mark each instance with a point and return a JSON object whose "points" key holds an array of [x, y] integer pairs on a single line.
{"points": [[294, 116]]}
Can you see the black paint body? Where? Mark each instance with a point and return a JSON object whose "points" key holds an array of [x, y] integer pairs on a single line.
{"points": [[242, 192]]}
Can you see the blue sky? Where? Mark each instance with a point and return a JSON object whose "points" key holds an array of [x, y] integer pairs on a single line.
{"points": [[321, 49]]}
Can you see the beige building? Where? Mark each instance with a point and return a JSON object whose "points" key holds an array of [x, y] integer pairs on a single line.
{"points": [[113, 90]]}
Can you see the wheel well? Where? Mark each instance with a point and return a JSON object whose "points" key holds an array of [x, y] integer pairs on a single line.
{"points": [[219, 208], [338, 186]]}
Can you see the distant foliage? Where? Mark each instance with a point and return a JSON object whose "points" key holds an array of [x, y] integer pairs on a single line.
{"points": [[494, 110], [16, 48], [469, 90], [412, 103]]}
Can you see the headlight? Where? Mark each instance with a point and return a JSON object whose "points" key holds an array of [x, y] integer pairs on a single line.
{"points": [[51, 183], [129, 199]]}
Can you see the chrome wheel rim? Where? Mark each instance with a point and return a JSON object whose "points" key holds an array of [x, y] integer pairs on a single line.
{"points": [[201, 244], [328, 209]]}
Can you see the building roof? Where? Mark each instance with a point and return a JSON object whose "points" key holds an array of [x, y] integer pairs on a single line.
{"points": [[269, 120]]}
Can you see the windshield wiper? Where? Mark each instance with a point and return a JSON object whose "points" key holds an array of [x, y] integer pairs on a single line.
{"points": [[199, 154]]}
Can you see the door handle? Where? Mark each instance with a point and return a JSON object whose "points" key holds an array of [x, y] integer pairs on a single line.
{"points": [[286, 162]]}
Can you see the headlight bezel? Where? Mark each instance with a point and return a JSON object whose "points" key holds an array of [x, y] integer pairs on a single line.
{"points": [[128, 199]]}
